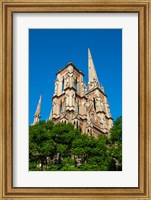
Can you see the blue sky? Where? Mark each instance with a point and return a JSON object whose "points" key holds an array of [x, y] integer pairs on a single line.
{"points": [[51, 49]]}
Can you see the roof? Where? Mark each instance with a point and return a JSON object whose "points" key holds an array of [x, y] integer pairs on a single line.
{"points": [[70, 63]]}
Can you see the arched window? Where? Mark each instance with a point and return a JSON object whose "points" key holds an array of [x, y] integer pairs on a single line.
{"points": [[63, 85], [94, 103], [78, 107], [60, 107], [77, 86]]}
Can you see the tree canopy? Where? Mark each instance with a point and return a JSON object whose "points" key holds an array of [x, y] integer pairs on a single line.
{"points": [[61, 147]]}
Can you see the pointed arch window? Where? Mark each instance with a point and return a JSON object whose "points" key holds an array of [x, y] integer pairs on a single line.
{"points": [[77, 86], [60, 107], [78, 107], [94, 103], [63, 85]]}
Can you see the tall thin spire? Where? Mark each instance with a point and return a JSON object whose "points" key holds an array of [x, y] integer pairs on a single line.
{"points": [[93, 79], [37, 113], [50, 116]]}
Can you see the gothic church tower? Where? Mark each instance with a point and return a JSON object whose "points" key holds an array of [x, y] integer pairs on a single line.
{"points": [[85, 107]]}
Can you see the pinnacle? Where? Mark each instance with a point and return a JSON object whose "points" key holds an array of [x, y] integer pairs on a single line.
{"points": [[38, 106], [92, 72]]}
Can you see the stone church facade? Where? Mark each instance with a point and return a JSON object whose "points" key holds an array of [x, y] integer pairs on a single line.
{"points": [[85, 106]]}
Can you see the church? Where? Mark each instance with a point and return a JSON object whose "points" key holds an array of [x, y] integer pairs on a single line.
{"points": [[85, 106]]}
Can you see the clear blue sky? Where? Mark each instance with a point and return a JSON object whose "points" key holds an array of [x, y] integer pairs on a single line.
{"points": [[51, 49]]}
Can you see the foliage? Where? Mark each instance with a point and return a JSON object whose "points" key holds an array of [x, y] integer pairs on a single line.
{"points": [[61, 147], [115, 143]]}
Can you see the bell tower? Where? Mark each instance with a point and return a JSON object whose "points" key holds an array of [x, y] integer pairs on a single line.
{"points": [[73, 102], [69, 99]]}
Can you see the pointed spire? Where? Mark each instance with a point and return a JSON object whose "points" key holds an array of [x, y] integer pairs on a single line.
{"points": [[50, 116], [37, 113], [93, 79], [38, 106], [92, 72]]}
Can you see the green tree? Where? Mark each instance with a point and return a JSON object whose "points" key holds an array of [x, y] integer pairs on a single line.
{"points": [[115, 142], [61, 147], [40, 145]]}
